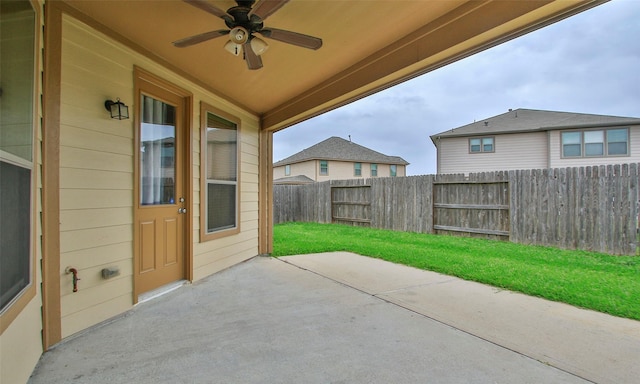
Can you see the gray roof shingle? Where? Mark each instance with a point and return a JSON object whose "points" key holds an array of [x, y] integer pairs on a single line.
{"points": [[527, 120], [336, 148]]}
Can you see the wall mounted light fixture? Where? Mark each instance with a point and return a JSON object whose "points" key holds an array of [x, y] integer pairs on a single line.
{"points": [[117, 109]]}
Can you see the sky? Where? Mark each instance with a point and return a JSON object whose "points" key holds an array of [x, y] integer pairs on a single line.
{"points": [[588, 63]]}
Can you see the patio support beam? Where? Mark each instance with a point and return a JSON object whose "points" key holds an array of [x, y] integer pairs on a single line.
{"points": [[51, 309], [265, 193]]}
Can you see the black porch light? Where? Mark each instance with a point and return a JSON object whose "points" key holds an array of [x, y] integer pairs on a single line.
{"points": [[117, 109]]}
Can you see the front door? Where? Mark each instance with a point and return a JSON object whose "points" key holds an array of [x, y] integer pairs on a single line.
{"points": [[160, 188]]}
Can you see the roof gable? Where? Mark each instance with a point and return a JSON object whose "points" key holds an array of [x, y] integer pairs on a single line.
{"points": [[336, 148], [528, 120]]}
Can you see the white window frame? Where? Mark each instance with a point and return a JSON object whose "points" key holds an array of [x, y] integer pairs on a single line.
{"points": [[205, 234], [357, 169], [326, 168], [287, 170]]}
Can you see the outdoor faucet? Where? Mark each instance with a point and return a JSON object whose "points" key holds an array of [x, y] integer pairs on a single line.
{"points": [[75, 277]]}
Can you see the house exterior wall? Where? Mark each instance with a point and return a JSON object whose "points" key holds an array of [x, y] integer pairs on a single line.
{"points": [[512, 151], [338, 170], [97, 175], [21, 322], [556, 160]]}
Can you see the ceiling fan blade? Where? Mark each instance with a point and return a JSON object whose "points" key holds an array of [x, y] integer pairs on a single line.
{"points": [[210, 8], [188, 41], [265, 8], [294, 38], [253, 61]]}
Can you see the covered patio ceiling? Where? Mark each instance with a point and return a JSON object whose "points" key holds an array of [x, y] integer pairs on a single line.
{"points": [[367, 45]]}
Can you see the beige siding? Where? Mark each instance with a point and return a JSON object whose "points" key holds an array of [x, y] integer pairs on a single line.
{"points": [[338, 170], [96, 177], [555, 148], [21, 341], [512, 151]]}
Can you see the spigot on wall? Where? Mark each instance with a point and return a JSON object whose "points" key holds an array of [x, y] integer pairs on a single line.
{"points": [[75, 277]]}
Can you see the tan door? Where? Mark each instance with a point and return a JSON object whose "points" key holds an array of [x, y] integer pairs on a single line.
{"points": [[160, 188]]}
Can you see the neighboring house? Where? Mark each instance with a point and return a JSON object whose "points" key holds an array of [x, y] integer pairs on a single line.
{"points": [[182, 188], [532, 139], [293, 180], [338, 159]]}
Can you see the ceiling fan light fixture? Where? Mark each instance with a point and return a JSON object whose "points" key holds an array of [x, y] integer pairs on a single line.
{"points": [[239, 35], [258, 46], [233, 48]]}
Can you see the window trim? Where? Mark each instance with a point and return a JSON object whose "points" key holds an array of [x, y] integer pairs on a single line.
{"points": [[204, 235], [19, 302], [481, 138], [357, 169], [605, 143], [320, 168], [287, 170], [372, 168]]}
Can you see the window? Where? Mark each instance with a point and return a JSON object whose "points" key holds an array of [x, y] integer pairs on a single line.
{"points": [[595, 143], [571, 144], [481, 144], [18, 67], [287, 170], [374, 170], [618, 142], [219, 174], [324, 167], [357, 169], [393, 170]]}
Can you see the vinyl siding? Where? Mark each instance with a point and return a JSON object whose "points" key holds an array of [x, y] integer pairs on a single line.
{"points": [[555, 148], [338, 170], [512, 151], [96, 177]]}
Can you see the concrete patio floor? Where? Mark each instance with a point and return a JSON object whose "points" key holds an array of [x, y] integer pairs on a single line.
{"points": [[344, 318]]}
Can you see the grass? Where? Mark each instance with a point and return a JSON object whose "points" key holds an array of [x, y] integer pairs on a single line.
{"points": [[601, 282]]}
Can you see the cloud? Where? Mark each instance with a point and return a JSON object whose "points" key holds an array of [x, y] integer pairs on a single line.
{"points": [[587, 63]]}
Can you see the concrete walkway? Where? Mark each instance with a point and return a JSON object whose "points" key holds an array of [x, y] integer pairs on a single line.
{"points": [[343, 318]]}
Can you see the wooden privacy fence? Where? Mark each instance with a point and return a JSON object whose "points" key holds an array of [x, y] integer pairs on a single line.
{"points": [[590, 208]]}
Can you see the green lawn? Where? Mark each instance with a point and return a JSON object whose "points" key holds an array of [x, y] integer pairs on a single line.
{"points": [[591, 280]]}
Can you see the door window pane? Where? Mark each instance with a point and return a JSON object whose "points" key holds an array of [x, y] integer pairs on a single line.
{"points": [[157, 152]]}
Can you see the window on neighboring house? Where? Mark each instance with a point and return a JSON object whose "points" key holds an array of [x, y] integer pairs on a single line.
{"points": [[324, 167], [219, 173], [393, 170], [357, 169], [595, 143], [618, 142], [287, 170], [16, 157], [374, 170], [481, 144]]}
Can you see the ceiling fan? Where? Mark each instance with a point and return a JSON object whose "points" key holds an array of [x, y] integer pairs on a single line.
{"points": [[243, 22]]}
